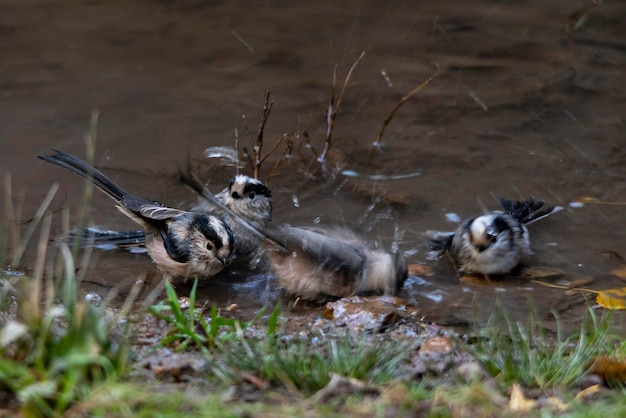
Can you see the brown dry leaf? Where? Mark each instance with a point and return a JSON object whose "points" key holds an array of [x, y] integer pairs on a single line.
{"points": [[557, 404], [519, 402], [610, 370], [438, 345], [469, 279], [541, 272], [419, 270], [619, 272], [612, 298]]}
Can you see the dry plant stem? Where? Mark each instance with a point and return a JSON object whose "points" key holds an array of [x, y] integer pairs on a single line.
{"points": [[277, 143], [288, 149], [267, 108], [42, 250], [334, 107], [237, 150], [573, 19], [41, 211], [400, 103], [11, 221]]}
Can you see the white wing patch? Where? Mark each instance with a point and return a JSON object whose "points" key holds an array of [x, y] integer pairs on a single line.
{"points": [[159, 213]]}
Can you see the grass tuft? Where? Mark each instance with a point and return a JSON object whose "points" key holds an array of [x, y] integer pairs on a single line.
{"points": [[513, 351]]}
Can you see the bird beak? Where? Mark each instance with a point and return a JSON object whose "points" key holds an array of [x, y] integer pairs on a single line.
{"points": [[223, 259]]}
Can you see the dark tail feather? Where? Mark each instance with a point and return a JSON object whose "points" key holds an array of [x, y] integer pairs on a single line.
{"points": [[107, 240], [80, 167], [526, 211], [441, 245]]}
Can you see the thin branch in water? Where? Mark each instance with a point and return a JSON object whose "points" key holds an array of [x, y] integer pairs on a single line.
{"points": [[267, 109], [245, 127], [240, 39], [333, 106], [237, 149], [378, 141], [288, 149], [277, 143], [247, 156]]}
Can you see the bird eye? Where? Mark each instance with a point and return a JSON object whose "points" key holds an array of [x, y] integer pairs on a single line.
{"points": [[251, 195], [492, 234], [210, 246]]}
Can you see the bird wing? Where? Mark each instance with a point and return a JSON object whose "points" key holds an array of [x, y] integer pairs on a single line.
{"points": [[158, 212], [333, 252]]}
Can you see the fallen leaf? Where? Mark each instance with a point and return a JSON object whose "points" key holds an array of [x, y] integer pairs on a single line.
{"points": [[469, 279], [518, 401], [419, 270], [435, 345], [619, 271], [612, 371], [557, 404], [612, 298], [609, 298], [591, 390]]}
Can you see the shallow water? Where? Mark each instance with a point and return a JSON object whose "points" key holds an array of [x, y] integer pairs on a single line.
{"points": [[519, 109]]}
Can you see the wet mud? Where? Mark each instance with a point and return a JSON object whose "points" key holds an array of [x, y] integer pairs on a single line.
{"points": [[529, 101]]}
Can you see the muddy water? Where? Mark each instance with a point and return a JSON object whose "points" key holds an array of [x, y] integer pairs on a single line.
{"points": [[519, 109]]}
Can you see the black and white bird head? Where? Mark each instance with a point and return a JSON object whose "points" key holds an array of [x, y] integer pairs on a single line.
{"points": [[249, 198], [494, 243], [489, 244]]}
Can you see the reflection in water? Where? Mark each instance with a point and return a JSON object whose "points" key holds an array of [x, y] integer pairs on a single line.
{"points": [[520, 108]]}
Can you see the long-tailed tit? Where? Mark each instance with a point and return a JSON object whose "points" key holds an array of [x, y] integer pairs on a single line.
{"points": [[314, 264], [494, 243], [181, 243], [317, 263], [247, 197]]}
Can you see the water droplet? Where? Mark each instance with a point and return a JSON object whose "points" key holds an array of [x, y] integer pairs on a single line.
{"points": [[350, 173], [94, 298], [453, 217]]}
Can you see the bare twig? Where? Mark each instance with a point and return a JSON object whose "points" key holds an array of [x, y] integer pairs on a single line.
{"points": [[277, 143], [247, 156], [237, 149], [333, 106], [400, 103], [245, 127], [267, 108], [288, 149]]}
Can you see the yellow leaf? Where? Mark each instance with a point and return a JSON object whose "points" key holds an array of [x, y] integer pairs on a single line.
{"points": [[612, 298], [518, 401], [591, 390], [609, 299]]}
